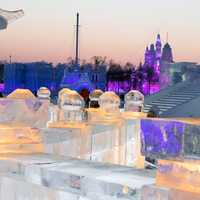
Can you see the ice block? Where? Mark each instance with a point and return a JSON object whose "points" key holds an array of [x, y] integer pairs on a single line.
{"points": [[181, 175], [165, 138], [88, 179], [153, 192]]}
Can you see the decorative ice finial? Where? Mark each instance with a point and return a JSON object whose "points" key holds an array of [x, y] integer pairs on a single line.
{"points": [[134, 101], [71, 106], [109, 102], [70, 100], [43, 93], [94, 98]]}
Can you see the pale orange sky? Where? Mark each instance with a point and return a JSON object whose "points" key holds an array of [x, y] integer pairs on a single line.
{"points": [[113, 28]]}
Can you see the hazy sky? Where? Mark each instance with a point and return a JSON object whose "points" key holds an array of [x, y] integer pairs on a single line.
{"points": [[118, 29]]}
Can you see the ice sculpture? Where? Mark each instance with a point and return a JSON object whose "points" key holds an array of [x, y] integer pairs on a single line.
{"points": [[134, 101], [94, 98], [21, 94], [109, 103], [70, 108], [21, 106], [45, 177], [44, 93]]}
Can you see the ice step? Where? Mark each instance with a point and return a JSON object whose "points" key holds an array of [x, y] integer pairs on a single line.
{"points": [[89, 179]]}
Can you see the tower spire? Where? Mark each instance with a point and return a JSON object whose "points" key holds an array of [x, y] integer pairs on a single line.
{"points": [[167, 37], [77, 39]]}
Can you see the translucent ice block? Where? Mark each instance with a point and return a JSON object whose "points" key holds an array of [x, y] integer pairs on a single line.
{"points": [[108, 142], [14, 187], [89, 179], [165, 138], [31, 112], [153, 192], [19, 139], [180, 175], [71, 140], [133, 143]]}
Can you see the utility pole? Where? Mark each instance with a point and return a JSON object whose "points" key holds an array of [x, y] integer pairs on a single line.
{"points": [[77, 39]]}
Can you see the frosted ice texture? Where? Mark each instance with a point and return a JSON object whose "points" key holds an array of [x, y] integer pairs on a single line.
{"points": [[21, 106], [109, 102], [71, 106], [88, 179], [134, 101], [21, 94]]}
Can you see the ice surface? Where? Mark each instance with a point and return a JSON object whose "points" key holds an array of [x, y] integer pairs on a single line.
{"points": [[19, 139], [89, 180], [180, 175], [134, 101], [153, 192], [13, 187]]}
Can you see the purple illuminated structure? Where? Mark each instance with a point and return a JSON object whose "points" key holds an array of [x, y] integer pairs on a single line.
{"points": [[146, 78], [162, 138], [170, 139]]}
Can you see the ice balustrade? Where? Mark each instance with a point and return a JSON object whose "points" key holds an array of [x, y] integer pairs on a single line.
{"points": [[175, 143], [109, 138]]}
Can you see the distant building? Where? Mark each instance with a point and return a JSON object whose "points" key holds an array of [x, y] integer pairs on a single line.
{"points": [[1, 78], [85, 78], [167, 55], [152, 57], [34, 75], [27, 75]]}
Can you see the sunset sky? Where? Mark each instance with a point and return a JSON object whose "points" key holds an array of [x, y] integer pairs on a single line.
{"points": [[118, 29]]}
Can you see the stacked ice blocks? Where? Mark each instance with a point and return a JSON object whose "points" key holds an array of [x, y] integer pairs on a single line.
{"points": [[22, 106], [177, 145], [42, 177]]}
